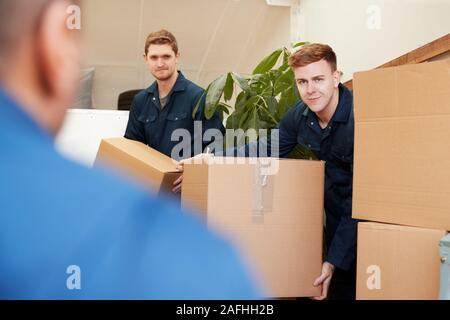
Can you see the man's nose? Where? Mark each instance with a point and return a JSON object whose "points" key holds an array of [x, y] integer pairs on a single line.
{"points": [[310, 89], [160, 62]]}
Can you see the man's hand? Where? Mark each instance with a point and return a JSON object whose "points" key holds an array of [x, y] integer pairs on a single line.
{"points": [[177, 183], [324, 280], [200, 158]]}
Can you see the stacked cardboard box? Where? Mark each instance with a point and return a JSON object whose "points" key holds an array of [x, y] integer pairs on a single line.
{"points": [[275, 218], [402, 130]]}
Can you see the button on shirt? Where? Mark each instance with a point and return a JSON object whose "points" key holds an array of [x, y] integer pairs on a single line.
{"points": [[154, 125]]}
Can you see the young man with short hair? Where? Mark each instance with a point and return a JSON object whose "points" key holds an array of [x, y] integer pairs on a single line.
{"points": [[167, 105], [324, 123]]}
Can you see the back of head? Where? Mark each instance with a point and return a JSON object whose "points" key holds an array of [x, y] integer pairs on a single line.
{"points": [[39, 58], [311, 53], [161, 37], [17, 19]]}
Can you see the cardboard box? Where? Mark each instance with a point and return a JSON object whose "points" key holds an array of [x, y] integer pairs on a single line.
{"points": [[135, 160], [397, 262], [402, 145], [275, 220]]}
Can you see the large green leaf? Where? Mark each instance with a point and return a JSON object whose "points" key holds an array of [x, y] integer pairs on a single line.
{"points": [[285, 81], [232, 121], [286, 55], [287, 77], [260, 83], [274, 74], [272, 105], [214, 93], [280, 87], [241, 81], [268, 63], [300, 44], [267, 111], [243, 121], [287, 100], [197, 106], [223, 108], [248, 121], [241, 100], [229, 86]]}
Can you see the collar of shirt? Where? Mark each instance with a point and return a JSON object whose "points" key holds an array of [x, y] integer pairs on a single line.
{"points": [[180, 85], [15, 121]]}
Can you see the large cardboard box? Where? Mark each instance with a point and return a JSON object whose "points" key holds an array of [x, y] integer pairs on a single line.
{"points": [[402, 145], [139, 162], [397, 262], [274, 217]]}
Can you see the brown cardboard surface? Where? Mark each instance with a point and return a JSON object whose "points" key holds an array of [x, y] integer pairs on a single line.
{"points": [[278, 227], [407, 259], [139, 162], [402, 130]]}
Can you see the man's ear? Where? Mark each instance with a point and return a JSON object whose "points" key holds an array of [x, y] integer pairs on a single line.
{"points": [[336, 78], [57, 55]]}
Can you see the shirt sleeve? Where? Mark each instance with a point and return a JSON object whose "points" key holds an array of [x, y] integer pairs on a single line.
{"points": [[342, 252], [342, 249]]}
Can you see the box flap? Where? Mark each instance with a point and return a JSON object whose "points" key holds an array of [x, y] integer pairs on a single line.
{"points": [[143, 153]]}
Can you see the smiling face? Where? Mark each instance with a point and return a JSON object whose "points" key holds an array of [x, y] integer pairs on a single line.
{"points": [[162, 61], [318, 85]]}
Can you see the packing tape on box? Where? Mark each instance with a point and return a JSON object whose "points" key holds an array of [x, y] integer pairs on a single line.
{"points": [[262, 190]]}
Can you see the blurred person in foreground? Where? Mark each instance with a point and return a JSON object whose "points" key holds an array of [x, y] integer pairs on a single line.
{"points": [[68, 232]]}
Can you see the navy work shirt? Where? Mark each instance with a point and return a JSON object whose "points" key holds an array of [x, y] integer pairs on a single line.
{"points": [[334, 145], [69, 232], [153, 125]]}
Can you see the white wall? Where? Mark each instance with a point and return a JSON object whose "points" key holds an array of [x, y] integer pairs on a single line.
{"points": [[215, 36], [351, 28], [83, 130]]}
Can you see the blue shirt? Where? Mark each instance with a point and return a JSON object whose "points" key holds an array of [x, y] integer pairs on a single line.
{"points": [[153, 125], [127, 244], [334, 145]]}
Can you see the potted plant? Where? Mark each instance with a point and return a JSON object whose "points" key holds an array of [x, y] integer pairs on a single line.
{"points": [[264, 97]]}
